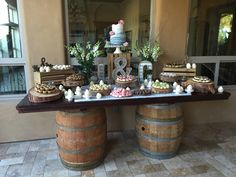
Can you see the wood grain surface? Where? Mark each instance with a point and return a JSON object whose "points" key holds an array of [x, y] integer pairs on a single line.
{"points": [[36, 97]]}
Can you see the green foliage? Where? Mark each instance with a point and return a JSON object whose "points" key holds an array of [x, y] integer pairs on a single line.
{"points": [[225, 28], [85, 55], [149, 51]]}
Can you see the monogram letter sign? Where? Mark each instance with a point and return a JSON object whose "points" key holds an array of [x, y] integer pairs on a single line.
{"points": [[120, 64], [141, 67], [101, 72]]}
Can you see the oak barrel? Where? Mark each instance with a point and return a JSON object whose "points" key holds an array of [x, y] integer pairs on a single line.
{"points": [[159, 128], [81, 137]]}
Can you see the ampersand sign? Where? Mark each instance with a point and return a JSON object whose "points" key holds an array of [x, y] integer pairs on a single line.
{"points": [[120, 64]]}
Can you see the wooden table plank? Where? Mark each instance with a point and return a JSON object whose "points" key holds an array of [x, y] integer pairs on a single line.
{"points": [[24, 106]]}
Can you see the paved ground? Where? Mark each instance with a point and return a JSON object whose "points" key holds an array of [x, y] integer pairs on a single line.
{"points": [[206, 151]]}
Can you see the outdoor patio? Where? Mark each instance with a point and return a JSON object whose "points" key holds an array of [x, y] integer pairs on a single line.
{"points": [[207, 150]]}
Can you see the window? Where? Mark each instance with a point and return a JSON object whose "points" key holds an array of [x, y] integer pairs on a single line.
{"points": [[12, 64], [212, 39], [91, 20]]}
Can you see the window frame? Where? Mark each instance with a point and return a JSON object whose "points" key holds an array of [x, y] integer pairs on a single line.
{"points": [[21, 61], [72, 60], [208, 59]]}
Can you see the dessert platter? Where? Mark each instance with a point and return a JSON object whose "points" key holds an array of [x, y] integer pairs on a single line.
{"points": [[124, 81], [103, 89], [181, 69], [161, 87], [200, 84], [168, 77], [175, 65], [142, 91], [121, 92], [74, 80], [44, 93]]}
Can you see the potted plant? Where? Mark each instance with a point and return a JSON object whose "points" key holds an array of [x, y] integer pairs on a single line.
{"points": [[150, 51], [85, 55]]}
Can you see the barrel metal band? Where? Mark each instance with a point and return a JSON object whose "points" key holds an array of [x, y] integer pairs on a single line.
{"points": [[86, 151], [162, 106], [158, 155], [62, 127], [153, 138], [82, 163], [159, 121], [85, 112]]}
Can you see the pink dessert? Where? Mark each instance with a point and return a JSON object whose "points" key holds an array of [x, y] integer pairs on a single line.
{"points": [[121, 92], [128, 78]]}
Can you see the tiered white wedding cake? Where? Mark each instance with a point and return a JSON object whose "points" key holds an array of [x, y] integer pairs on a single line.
{"points": [[117, 35]]}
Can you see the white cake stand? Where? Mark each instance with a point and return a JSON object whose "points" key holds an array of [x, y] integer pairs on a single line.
{"points": [[118, 50]]}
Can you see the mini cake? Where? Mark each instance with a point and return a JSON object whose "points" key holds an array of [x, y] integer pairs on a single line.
{"points": [[45, 89], [74, 80], [121, 92], [201, 79], [124, 81], [103, 89], [161, 87], [168, 77], [117, 35]]}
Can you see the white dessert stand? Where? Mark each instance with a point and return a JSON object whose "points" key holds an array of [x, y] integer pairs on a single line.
{"points": [[118, 50]]}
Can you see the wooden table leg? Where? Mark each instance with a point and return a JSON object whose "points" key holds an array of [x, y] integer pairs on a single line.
{"points": [[81, 137], [159, 129]]}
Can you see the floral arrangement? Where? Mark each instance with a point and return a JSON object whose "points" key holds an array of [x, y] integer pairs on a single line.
{"points": [[85, 55], [149, 51]]}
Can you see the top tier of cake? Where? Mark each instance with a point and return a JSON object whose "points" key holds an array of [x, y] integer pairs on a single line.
{"points": [[118, 28]]}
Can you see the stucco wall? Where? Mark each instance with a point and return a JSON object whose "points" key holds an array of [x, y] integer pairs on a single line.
{"points": [[42, 36]]}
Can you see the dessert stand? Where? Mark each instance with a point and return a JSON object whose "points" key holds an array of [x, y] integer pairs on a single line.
{"points": [[117, 47]]}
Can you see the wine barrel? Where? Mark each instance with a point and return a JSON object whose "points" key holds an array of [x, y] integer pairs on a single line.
{"points": [[81, 138], [159, 128]]}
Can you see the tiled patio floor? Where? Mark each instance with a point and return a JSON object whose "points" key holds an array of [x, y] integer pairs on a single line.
{"points": [[206, 151]]}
